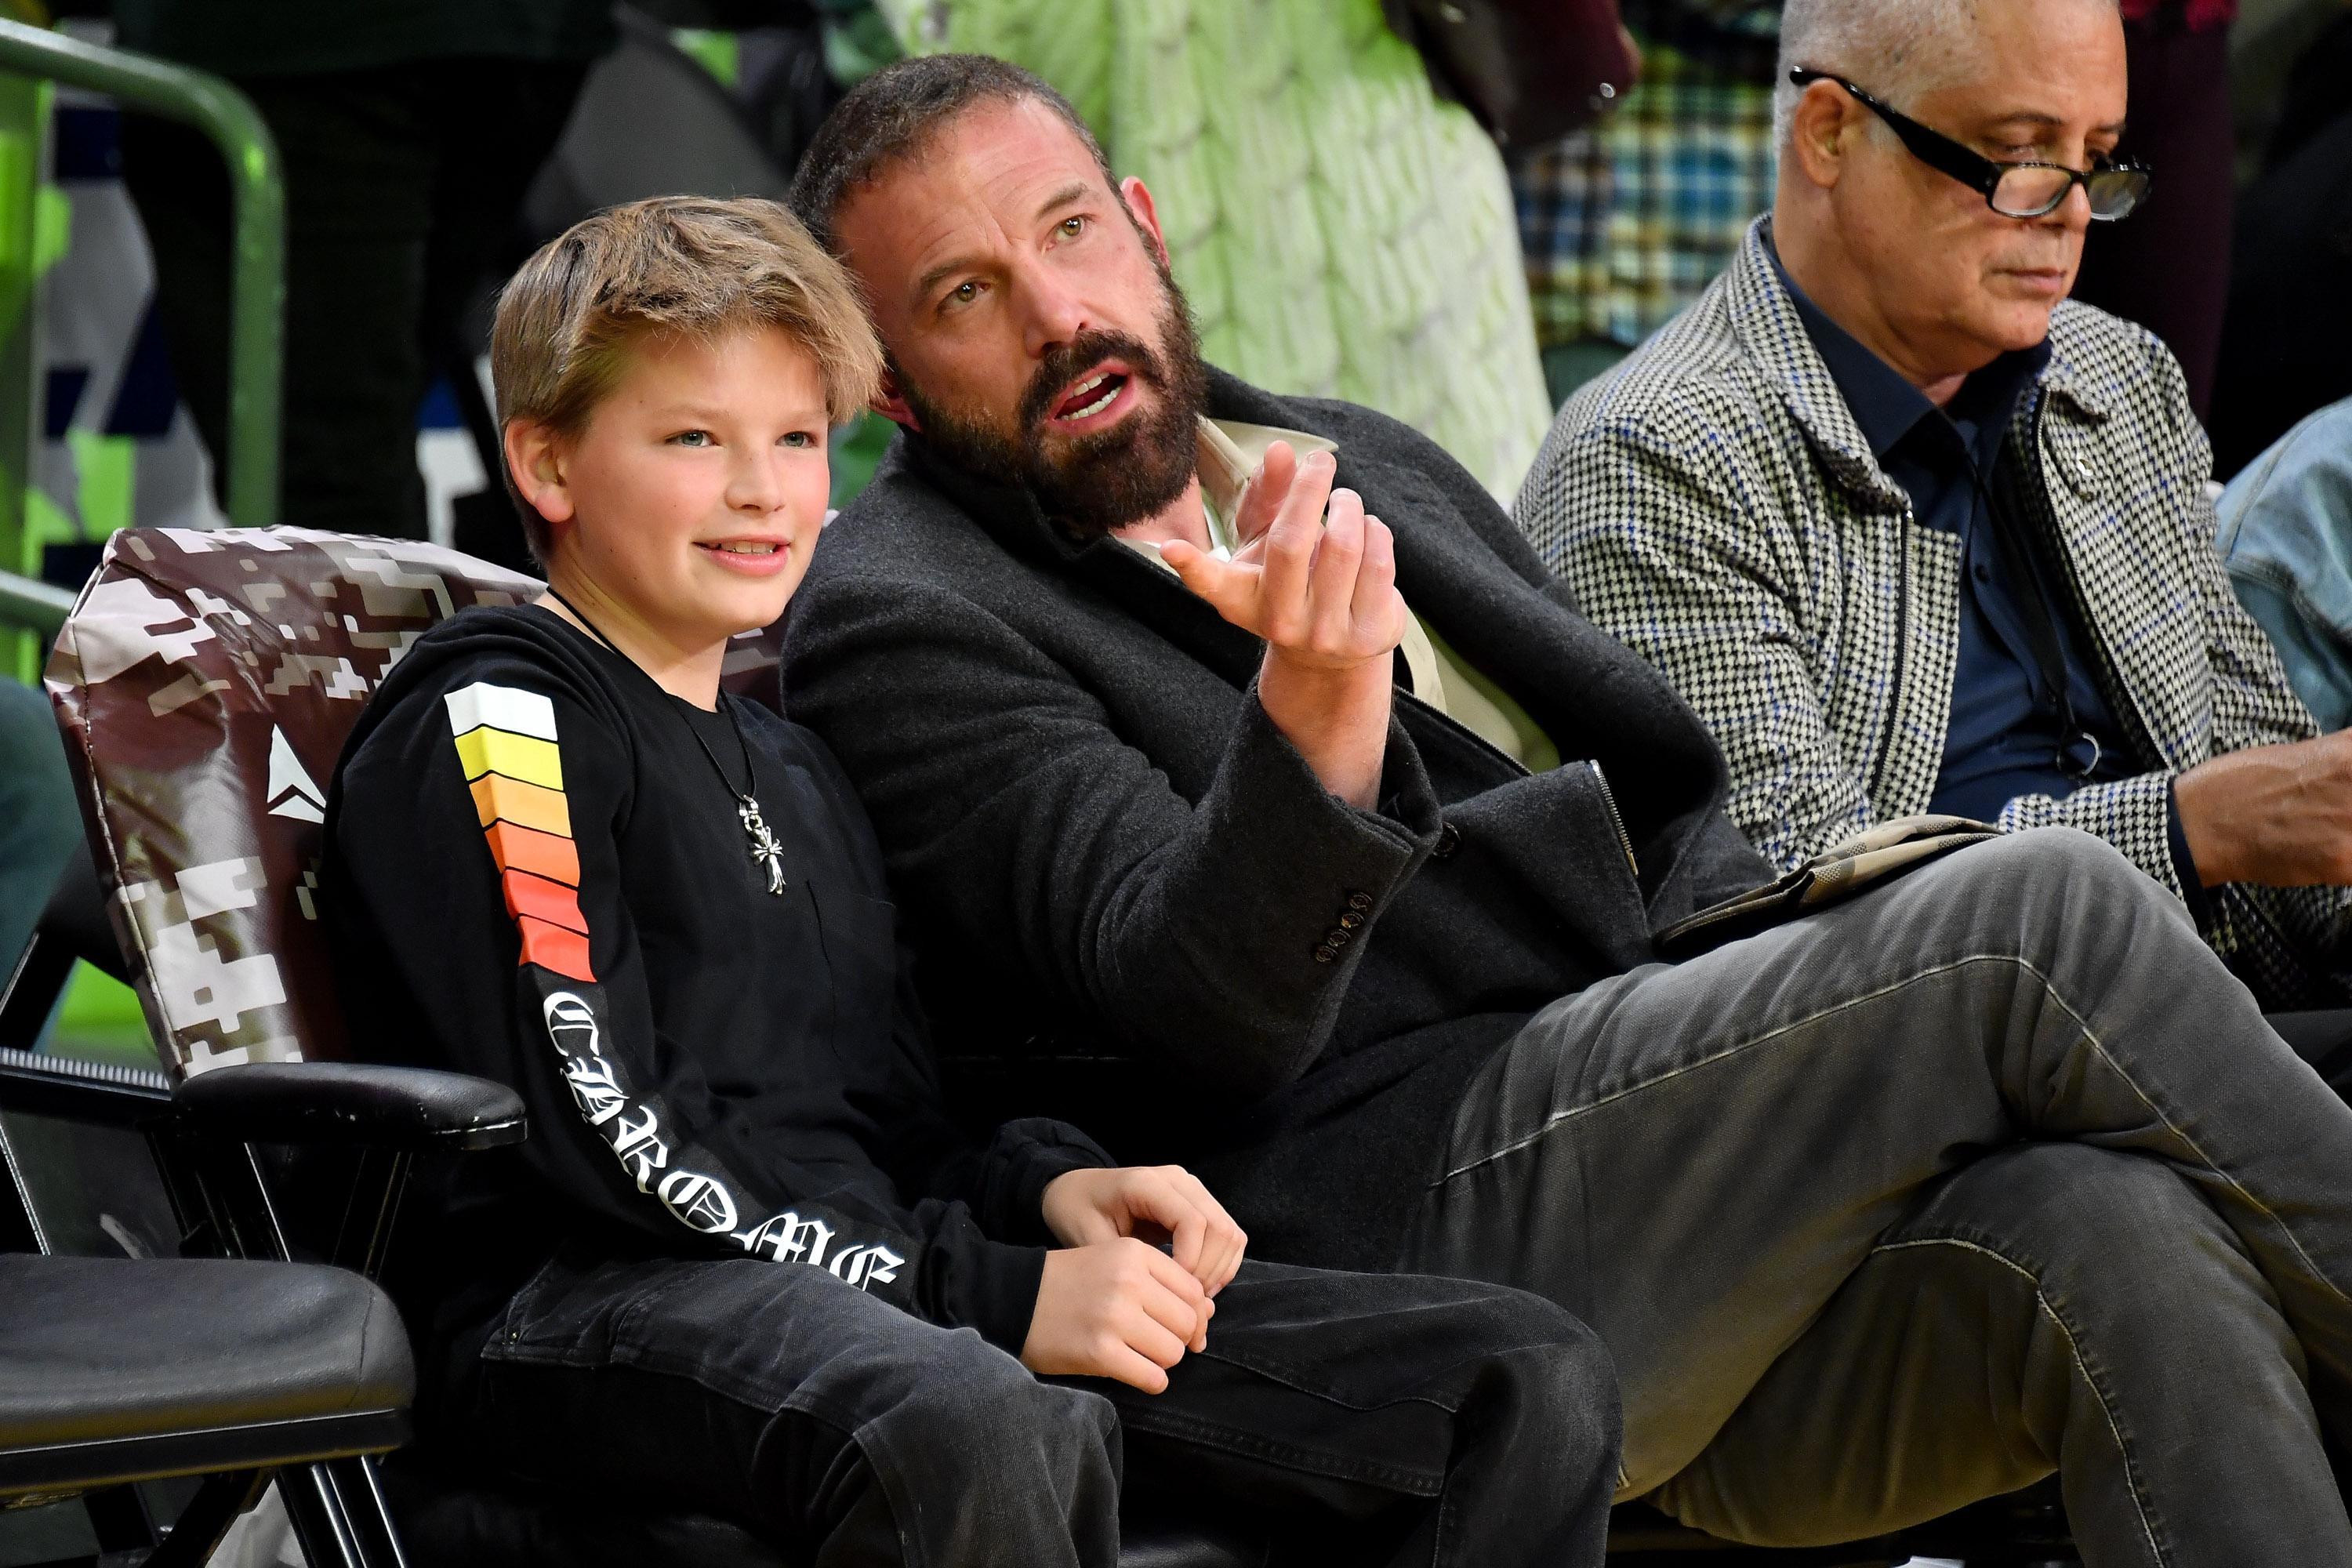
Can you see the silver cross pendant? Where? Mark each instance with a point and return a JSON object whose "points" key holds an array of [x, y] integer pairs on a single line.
{"points": [[765, 846]]}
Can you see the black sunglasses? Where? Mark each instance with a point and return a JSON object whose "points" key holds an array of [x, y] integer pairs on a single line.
{"points": [[2012, 190]]}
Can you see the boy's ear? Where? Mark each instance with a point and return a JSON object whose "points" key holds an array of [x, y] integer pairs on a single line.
{"points": [[890, 402], [535, 457]]}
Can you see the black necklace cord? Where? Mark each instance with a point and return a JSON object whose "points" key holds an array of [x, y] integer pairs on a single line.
{"points": [[750, 772]]}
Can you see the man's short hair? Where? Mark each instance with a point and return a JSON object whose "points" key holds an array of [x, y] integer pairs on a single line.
{"points": [[893, 114], [686, 265], [1896, 50]]}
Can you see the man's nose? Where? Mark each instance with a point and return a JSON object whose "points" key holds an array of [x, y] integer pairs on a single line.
{"points": [[1052, 312]]}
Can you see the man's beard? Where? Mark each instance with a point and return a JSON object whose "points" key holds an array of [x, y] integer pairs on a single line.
{"points": [[1101, 482]]}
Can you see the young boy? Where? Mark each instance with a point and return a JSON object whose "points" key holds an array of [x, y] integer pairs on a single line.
{"points": [[744, 1265]]}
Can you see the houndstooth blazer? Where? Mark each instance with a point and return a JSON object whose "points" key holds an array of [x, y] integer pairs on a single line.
{"points": [[1714, 506]]}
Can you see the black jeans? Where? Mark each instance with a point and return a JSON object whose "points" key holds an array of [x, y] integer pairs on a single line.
{"points": [[1451, 1423], [401, 183]]}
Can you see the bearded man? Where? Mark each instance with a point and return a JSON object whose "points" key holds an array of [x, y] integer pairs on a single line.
{"points": [[1247, 732]]}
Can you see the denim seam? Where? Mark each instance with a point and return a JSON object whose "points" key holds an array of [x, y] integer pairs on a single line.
{"points": [[2074, 1350], [1291, 1455], [1889, 989], [2048, 988], [2099, 1046]]}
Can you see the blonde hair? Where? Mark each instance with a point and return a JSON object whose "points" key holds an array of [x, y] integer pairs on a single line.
{"points": [[687, 265]]}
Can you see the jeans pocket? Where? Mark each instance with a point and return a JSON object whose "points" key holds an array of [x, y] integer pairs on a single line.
{"points": [[577, 1310]]}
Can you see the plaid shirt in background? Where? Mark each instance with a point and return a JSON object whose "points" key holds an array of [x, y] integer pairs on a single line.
{"points": [[1623, 223]]}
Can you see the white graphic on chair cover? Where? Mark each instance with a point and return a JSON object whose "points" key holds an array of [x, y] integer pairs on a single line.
{"points": [[112, 631], [290, 792], [193, 984]]}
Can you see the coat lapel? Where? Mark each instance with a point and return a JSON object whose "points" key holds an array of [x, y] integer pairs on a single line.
{"points": [[2145, 637]]}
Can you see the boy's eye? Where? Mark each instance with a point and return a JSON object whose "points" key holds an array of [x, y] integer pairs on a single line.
{"points": [[693, 438], [801, 438]]}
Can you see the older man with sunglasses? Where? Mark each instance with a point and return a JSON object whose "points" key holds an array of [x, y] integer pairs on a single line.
{"points": [[1912, 533]]}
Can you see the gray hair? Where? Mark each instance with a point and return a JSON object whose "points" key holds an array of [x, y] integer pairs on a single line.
{"points": [[1896, 50]]}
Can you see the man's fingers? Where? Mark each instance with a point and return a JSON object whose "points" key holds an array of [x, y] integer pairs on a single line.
{"points": [[1227, 587], [1290, 548], [1262, 496], [1375, 605], [1332, 585]]}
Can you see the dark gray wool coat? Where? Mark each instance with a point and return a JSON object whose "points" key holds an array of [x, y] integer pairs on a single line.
{"points": [[1092, 824]]}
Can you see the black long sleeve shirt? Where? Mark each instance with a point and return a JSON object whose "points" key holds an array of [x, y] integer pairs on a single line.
{"points": [[534, 874]]}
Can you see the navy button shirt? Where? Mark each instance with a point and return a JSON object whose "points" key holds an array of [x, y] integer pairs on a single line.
{"points": [[2005, 733]]}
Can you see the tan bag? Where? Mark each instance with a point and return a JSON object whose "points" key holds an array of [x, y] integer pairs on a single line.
{"points": [[1867, 859]]}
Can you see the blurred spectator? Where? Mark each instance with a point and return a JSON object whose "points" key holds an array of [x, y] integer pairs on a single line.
{"points": [[1339, 232], [2168, 269], [2286, 349], [1626, 222], [38, 825], [2286, 537], [2318, 92], [409, 130]]}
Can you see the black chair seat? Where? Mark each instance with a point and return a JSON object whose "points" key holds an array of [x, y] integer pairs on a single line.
{"points": [[459, 1524], [111, 1368]]}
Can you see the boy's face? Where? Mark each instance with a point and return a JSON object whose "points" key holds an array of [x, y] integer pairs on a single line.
{"points": [[699, 486]]}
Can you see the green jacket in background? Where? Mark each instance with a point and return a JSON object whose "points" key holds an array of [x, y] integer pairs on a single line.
{"points": [[1339, 232]]}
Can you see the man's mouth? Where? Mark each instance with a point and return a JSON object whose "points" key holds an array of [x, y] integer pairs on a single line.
{"points": [[1090, 396]]}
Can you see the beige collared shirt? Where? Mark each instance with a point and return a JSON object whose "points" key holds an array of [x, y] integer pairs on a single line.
{"points": [[1230, 452]]}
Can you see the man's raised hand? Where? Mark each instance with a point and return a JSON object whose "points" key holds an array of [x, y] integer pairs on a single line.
{"points": [[1322, 594], [1320, 590]]}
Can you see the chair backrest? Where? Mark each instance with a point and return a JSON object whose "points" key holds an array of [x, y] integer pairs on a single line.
{"points": [[205, 682]]}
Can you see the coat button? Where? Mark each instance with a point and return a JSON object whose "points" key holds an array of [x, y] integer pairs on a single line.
{"points": [[1449, 840], [1351, 921], [1325, 955], [1337, 937], [1360, 902]]}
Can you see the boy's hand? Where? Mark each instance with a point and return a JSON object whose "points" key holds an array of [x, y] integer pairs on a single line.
{"points": [[1155, 1201], [1117, 1309]]}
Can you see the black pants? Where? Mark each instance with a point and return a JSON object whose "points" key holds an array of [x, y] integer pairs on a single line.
{"points": [[401, 182], [1451, 1423]]}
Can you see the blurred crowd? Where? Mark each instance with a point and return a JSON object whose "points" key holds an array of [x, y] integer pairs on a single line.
{"points": [[1366, 211]]}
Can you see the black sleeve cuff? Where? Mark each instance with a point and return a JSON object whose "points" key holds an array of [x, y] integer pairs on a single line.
{"points": [[1001, 1297], [2184, 863], [1023, 1157]]}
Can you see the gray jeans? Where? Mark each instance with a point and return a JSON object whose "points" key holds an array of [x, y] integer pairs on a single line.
{"points": [[1991, 1171]]}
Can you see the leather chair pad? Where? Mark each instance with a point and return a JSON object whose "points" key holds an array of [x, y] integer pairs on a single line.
{"points": [[111, 1349]]}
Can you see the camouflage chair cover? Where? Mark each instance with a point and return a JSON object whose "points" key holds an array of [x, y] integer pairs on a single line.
{"points": [[205, 682]]}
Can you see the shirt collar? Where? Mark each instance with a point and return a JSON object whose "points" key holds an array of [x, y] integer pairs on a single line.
{"points": [[1229, 452], [1884, 407]]}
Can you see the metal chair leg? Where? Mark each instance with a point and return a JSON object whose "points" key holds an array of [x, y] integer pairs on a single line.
{"points": [[207, 1518], [339, 1514]]}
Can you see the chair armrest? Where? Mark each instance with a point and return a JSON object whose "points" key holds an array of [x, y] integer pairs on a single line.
{"points": [[354, 1104]]}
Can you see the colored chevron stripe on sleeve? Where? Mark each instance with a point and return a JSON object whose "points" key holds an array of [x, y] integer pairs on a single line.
{"points": [[514, 769]]}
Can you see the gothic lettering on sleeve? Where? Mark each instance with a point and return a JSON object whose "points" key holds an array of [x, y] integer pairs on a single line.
{"points": [[512, 759]]}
